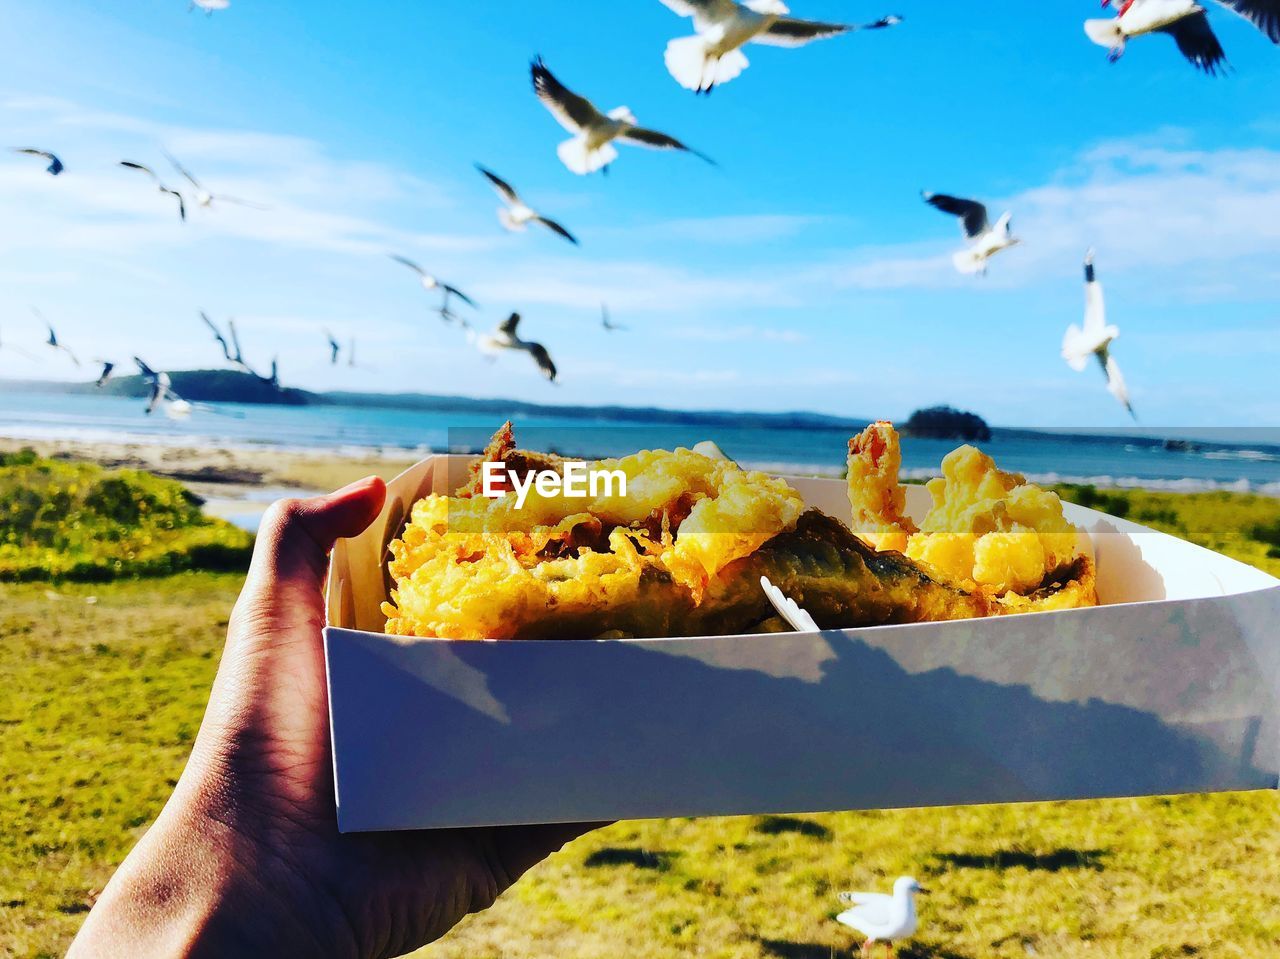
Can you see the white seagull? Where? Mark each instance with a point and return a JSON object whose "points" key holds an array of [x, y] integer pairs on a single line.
{"points": [[882, 918], [506, 338], [203, 197], [107, 367], [55, 165], [182, 204], [161, 395], [430, 282], [985, 240], [714, 55], [209, 6], [516, 215], [591, 147], [1095, 339], [1184, 20]]}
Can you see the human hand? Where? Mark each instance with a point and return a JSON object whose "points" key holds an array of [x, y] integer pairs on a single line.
{"points": [[246, 858]]}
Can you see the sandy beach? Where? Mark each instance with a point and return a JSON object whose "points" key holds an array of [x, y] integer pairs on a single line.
{"points": [[236, 483]]}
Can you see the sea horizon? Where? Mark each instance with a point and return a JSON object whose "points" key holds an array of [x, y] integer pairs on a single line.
{"points": [[1202, 459]]}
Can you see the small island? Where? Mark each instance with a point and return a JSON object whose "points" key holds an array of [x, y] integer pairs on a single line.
{"points": [[946, 423]]}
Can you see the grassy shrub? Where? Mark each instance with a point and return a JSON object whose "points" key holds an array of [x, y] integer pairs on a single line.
{"points": [[1245, 526], [1268, 533], [1116, 504], [80, 522]]}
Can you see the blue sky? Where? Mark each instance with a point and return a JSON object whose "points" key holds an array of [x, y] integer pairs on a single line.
{"points": [[803, 273]]}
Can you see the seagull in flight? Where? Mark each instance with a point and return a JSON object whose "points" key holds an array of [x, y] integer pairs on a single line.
{"points": [[1095, 339], [203, 197], [516, 215], [985, 240], [607, 322], [217, 335], [107, 367], [334, 348], [713, 55], [209, 6], [505, 337], [237, 356], [182, 204], [231, 352], [53, 341], [430, 282], [273, 380], [882, 918], [591, 147], [1186, 21], [161, 393], [55, 166]]}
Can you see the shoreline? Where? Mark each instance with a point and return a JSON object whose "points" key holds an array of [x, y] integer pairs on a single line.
{"points": [[243, 471]]}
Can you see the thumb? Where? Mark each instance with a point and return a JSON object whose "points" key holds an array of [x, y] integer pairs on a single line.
{"points": [[296, 535]]}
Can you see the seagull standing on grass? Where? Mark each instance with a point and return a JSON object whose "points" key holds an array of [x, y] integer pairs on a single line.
{"points": [[1184, 20], [203, 197], [714, 55], [182, 204], [55, 166], [1095, 339], [591, 147], [53, 341], [506, 338], [985, 240], [516, 215], [882, 918], [430, 282]]}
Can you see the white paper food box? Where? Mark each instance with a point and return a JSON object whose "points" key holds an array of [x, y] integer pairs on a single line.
{"points": [[1172, 685]]}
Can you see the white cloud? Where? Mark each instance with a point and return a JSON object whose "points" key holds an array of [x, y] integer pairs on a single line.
{"points": [[1195, 222], [630, 285], [316, 201], [735, 334], [722, 230]]}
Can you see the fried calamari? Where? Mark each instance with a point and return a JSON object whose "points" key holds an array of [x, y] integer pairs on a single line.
{"points": [[682, 552]]}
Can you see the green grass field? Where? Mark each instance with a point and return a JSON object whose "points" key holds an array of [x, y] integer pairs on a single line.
{"points": [[105, 684]]}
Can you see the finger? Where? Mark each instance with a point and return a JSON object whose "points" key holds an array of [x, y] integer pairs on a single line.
{"points": [[296, 535], [520, 848]]}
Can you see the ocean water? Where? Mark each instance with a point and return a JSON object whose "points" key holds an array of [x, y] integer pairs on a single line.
{"points": [[1244, 460]]}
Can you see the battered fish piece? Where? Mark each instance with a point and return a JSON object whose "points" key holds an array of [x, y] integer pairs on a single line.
{"points": [[682, 554]]}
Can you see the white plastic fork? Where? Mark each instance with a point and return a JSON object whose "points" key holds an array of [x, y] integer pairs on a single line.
{"points": [[787, 608]]}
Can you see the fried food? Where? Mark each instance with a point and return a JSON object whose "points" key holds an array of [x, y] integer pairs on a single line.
{"points": [[681, 554], [988, 531]]}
